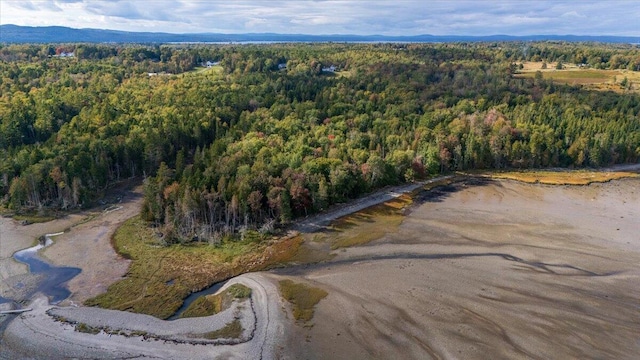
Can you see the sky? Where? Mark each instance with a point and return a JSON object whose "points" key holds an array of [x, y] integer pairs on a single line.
{"points": [[361, 17]]}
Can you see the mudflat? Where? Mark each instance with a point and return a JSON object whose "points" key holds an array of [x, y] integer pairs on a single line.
{"points": [[85, 244], [14, 276], [494, 269], [479, 269], [88, 246]]}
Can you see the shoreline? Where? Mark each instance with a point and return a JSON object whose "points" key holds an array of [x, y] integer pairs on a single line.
{"points": [[87, 246], [103, 226], [51, 330], [500, 270], [15, 237]]}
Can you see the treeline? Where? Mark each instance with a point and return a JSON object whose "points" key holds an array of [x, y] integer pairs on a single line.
{"points": [[599, 56], [255, 144]]}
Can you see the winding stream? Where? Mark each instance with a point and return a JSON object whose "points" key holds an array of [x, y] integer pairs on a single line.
{"points": [[54, 278], [193, 296]]}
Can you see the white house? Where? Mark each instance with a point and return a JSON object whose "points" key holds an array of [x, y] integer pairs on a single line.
{"points": [[65, 55]]}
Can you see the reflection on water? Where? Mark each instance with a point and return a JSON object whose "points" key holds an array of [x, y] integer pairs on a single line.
{"points": [[53, 283]]}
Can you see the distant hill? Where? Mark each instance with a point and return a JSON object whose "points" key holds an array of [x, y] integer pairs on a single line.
{"points": [[60, 34]]}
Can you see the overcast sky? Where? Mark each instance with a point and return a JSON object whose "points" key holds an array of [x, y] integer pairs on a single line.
{"points": [[386, 17]]}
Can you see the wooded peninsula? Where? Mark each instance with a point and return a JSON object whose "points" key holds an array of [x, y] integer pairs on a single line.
{"points": [[233, 140]]}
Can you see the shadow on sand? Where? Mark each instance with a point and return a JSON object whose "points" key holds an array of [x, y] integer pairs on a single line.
{"points": [[441, 193]]}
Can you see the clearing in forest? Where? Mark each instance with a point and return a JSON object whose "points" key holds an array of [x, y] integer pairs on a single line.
{"points": [[572, 74]]}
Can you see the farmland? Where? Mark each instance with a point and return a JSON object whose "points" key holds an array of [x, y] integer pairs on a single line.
{"points": [[593, 79]]}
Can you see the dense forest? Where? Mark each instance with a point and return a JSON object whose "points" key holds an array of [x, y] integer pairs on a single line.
{"points": [[273, 132]]}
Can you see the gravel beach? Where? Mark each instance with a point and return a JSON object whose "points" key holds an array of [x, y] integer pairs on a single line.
{"points": [[38, 335]]}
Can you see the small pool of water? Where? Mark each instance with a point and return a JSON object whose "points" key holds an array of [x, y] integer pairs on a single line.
{"points": [[191, 298], [53, 285]]}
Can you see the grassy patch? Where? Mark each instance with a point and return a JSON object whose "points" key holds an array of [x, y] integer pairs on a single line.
{"points": [[215, 69], [369, 224], [562, 177], [302, 297], [148, 287], [239, 291], [87, 329], [204, 306], [232, 330], [315, 249], [435, 184], [576, 76], [595, 79], [4, 211], [213, 304], [361, 227], [344, 73], [33, 219]]}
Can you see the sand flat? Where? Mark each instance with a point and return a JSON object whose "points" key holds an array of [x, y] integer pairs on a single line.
{"points": [[88, 246], [15, 237], [495, 269], [499, 270]]}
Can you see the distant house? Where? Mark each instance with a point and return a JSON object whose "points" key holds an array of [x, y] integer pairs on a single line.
{"points": [[329, 69], [65, 55], [282, 66], [211, 63]]}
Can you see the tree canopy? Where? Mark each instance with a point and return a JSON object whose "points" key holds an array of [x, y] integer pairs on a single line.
{"points": [[273, 132]]}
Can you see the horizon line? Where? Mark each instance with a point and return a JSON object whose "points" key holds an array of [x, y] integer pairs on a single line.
{"points": [[320, 35]]}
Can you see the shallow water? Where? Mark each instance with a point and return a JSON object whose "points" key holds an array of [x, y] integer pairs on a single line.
{"points": [[191, 298], [53, 285]]}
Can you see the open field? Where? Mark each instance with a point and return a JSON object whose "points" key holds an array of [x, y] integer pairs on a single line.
{"points": [[596, 79], [213, 70]]}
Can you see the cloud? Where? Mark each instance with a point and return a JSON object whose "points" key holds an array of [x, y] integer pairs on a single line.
{"points": [[317, 20], [387, 17], [27, 5], [128, 10], [36, 5], [255, 22], [572, 14]]}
